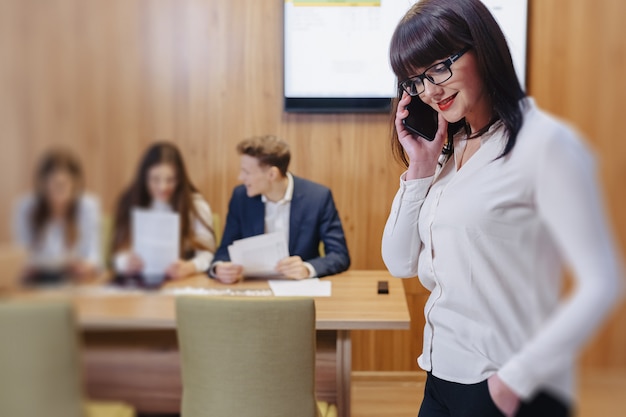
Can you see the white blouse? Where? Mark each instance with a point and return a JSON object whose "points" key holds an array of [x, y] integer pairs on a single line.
{"points": [[490, 240], [202, 258], [51, 251]]}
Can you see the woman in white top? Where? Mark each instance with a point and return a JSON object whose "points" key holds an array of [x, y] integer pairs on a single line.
{"points": [[162, 184], [487, 217], [58, 224]]}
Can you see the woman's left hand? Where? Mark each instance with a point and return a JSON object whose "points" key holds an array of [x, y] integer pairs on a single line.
{"points": [[181, 269], [503, 397]]}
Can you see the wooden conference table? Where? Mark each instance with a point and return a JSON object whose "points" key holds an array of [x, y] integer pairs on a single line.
{"points": [[131, 353]]}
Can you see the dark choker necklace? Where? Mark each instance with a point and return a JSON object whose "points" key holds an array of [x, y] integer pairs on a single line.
{"points": [[482, 131], [448, 147]]}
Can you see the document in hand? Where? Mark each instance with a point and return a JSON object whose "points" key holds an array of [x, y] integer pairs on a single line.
{"points": [[156, 239], [259, 254]]}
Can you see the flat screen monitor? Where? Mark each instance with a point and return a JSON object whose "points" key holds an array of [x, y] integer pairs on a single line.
{"points": [[336, 52]]}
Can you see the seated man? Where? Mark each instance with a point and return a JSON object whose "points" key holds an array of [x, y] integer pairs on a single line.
{"points": [[272, 200]]}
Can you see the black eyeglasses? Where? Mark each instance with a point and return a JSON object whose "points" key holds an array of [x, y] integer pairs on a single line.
{"points": [[436, 74]]}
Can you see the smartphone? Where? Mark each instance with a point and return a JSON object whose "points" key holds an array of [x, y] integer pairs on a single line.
{"points": [[383, 287], [422, 119]]}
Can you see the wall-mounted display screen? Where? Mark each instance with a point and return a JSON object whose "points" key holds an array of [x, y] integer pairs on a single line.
{"points": [[336, 52]]}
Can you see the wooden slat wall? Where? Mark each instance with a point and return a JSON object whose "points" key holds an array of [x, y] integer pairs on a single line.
{"points": [[108, 77]]}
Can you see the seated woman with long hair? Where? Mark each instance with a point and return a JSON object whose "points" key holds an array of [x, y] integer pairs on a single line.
{"points": [[58, 223], [162, 185]]}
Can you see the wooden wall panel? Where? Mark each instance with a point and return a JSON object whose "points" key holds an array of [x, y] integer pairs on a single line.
{"points": [[109, 77]]}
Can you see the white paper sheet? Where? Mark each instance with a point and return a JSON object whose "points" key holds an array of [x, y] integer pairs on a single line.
{"points": [[259, 254], [155, 239], [312, 287], [218, 292]]}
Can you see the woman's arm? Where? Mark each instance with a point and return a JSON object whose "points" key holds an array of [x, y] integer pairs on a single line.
{"points": [[202, 258], [570, 204], [22, 229], [401, 241]]}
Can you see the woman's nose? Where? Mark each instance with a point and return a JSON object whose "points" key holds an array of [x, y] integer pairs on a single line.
{"points": [[163, 186], [431, 91]]}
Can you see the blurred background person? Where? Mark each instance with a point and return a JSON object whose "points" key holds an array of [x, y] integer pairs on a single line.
{"points": [[162, 184], [58, 223], [272, 200]]}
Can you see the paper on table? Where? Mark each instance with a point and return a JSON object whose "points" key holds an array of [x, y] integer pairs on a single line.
{"points": [[312, 287], [259, 254], [155, 239]]}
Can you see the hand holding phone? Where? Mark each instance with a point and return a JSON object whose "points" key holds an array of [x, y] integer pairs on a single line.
{"points": [[422, 139], [423, 120]]}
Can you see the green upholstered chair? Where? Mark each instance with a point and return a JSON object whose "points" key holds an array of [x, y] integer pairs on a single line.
{"points": [[252, 357], [40, 371]]}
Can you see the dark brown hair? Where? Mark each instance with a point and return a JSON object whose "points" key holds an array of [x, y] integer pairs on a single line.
{"points": [[138, 195], [268, 150], [432, 30], [53, 161]]}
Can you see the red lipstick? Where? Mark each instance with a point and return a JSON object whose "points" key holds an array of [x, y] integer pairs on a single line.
{"points": [[446, 103]]}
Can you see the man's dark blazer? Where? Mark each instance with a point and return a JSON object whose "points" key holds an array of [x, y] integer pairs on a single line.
{"points": [[313, 219]]}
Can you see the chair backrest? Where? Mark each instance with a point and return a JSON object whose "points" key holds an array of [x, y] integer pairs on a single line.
{"points": [[252, 357], [39, 362]]}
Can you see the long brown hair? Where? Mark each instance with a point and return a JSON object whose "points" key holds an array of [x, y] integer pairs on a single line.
{"points": [[432, 30], [53, 161], [138, 195]]}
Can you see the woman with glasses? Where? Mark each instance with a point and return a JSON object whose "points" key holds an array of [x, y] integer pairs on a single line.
{"points": [[489, 220]]}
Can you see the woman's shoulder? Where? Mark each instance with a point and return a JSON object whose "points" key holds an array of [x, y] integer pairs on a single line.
{"points": [[26, 200], [543, 126], [89, 201], [543, 131], [24, 204], [200, 203], [545, 142]]}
